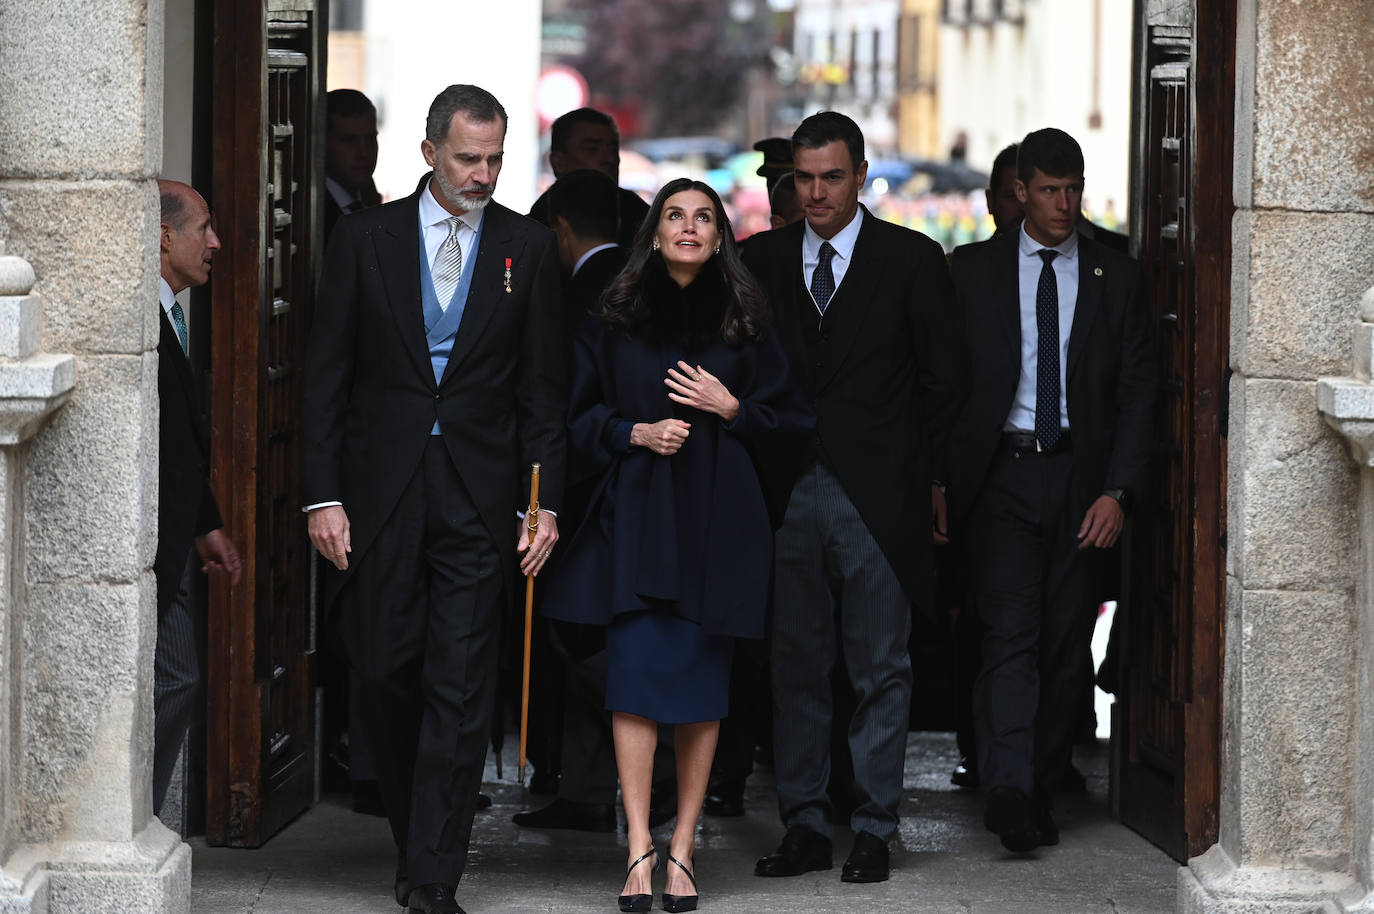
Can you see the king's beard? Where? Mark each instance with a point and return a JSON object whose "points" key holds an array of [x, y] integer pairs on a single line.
{"points": [[455, 196]]}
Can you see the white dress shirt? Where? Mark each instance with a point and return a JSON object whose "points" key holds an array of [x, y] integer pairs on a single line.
{"points": [[434, 221], [342, 195], [843, 243], [168, 298], [1029, 264], [588, 256]]}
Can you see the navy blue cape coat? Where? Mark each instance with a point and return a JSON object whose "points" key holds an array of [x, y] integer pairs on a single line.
{"points": [[691, 533]]}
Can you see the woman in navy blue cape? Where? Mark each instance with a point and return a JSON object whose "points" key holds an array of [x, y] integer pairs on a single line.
{"points": [[684, 407]]}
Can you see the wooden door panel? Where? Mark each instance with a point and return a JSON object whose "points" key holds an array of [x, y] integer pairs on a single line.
{"points": [[261, 736], [1167, 743]]}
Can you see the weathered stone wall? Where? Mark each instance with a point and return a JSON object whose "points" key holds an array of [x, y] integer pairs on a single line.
{"points": [[80, 147], [1303, 241]]}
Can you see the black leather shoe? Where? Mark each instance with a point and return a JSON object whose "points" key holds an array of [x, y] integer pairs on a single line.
{"points": [[561, 813], [640, 901], [1009, 815], [434, 898], [678, 904], [401, 888], [965, 774], [483, 801], [867, 861], [802, 850], [726, 803]]}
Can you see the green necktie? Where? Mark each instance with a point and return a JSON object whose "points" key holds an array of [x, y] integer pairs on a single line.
{"points": [[179, 322]]}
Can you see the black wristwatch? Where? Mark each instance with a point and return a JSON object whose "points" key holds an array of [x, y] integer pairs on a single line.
{"points": [[1119, 496]]}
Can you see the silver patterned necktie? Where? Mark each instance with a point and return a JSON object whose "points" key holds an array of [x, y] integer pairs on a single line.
{"points": [[448, 265], [179, 322]]}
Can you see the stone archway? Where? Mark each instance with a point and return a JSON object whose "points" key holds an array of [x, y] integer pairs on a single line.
{"points": [[80, 130]]}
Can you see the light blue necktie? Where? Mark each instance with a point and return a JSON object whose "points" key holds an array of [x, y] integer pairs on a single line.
{"points": [[179, 322]]}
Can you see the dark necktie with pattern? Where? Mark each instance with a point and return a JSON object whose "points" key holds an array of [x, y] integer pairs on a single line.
{"points": [[823, 280], [179, 322], [1047, 430]]}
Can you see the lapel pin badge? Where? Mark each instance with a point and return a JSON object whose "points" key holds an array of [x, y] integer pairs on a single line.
{"points": [[508, 274], [1097, 271]]}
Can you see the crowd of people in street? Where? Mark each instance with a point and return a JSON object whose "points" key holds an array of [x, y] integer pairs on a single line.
{"points": [[753, 455]]}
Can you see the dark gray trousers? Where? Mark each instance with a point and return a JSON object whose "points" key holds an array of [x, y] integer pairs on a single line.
{"points": [[835, 590], [176, 683]]}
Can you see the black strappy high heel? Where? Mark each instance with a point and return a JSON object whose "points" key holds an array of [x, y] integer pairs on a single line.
{"points": [[675, 904], [640, 902]]}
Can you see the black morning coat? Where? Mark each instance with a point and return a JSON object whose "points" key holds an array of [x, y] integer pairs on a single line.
{"points": [[694, 529], [1110, 370], [370, 397], [885, 372], [185, 507]]}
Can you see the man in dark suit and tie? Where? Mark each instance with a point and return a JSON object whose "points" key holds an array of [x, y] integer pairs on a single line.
{"points": [[350, 155], [1045, 457], [434, 379], [866, 310], [570, 729], [186, 511], [588, 138]]}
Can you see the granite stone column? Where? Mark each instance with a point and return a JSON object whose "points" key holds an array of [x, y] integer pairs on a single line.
{"points": [[80, 141], [1295, 822]]}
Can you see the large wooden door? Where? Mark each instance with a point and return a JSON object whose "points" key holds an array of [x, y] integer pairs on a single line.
{"points": [[261, 763], [1167, 750]]}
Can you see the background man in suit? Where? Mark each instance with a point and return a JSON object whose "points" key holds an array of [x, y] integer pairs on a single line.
{"points": [[1000, 194], [434, 378], [867, 312], [350, 155], [350, 158], [587, 138], [1046, 452], [568, 683], [186, 509]]}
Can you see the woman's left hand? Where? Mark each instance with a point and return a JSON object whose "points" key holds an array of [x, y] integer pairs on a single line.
{"points": [[698, 388]]}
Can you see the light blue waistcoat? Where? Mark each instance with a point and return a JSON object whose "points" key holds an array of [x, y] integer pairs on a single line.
{"points": [[441, 326]]}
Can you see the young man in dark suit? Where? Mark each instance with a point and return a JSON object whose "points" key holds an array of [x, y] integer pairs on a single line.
{"points": [[588, 138], [434, 379], [866, 310], [1047, 452], [570, 729], [186, 511], [350, 155]]}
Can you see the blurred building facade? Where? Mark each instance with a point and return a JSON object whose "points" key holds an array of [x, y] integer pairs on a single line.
{"points": [[402, 52], [918, 80], [1008, 67], [846, 56]]}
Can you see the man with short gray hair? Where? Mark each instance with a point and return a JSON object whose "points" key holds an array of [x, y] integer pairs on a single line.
{"points": [[434, 379]]}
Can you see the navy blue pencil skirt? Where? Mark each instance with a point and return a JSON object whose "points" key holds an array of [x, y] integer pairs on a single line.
{"points": [[665, 668]]}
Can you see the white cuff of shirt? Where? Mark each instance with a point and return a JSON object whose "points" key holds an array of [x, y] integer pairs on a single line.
{"points": [[324, 504]]}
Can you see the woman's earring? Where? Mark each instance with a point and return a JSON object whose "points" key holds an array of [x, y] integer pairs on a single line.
{"points": [[717, 249], [655, 245]]}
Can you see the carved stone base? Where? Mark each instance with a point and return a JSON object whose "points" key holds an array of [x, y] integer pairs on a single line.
{"points": [[1213, 884], [150, 875]]}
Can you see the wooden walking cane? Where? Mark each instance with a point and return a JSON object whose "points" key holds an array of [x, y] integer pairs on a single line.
{"points": [[532, 528]]}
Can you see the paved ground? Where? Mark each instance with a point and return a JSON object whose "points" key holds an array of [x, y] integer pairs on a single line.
{"points": [[333, 860]]}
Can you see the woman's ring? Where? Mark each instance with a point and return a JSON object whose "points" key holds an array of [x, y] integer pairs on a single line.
{"points": [[695, 376]]}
